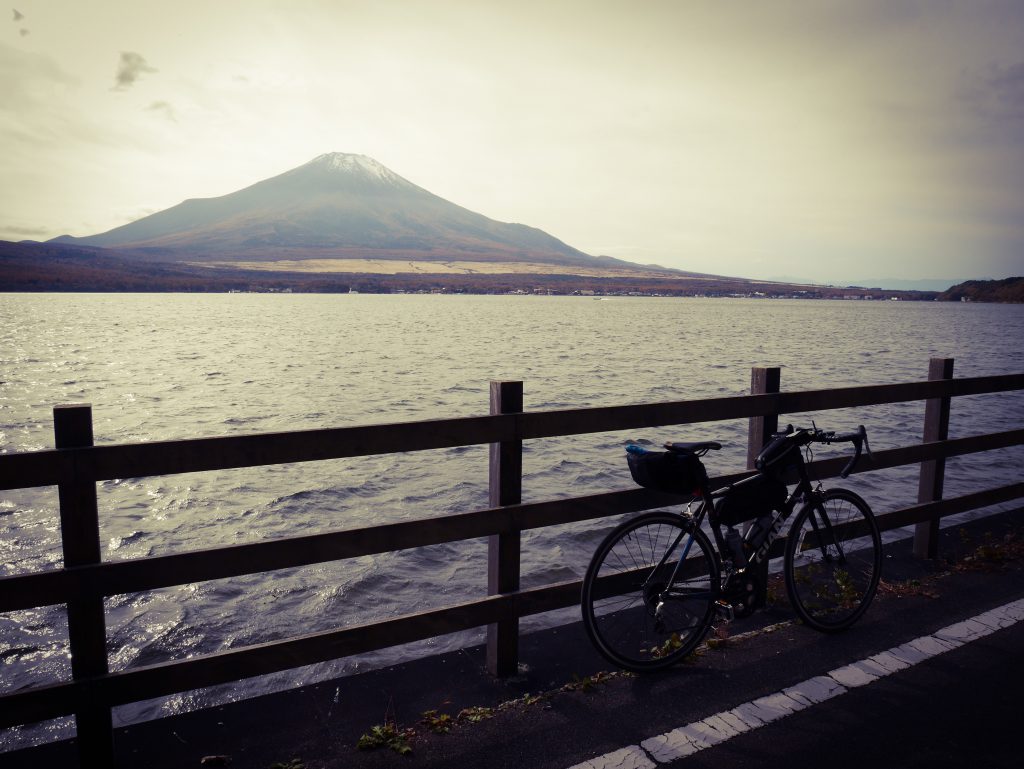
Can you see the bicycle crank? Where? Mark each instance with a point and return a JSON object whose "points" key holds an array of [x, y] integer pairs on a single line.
{"points": [[742, 590]]}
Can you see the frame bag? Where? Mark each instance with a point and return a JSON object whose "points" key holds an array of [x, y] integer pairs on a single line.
{"points": [[751, 498]]}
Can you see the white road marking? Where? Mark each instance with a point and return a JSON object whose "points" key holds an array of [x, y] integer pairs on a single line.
{"points": [[712, 730]]}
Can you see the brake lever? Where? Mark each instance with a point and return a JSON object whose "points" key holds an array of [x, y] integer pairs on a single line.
{"points": [[867, 446], [857, 444]]}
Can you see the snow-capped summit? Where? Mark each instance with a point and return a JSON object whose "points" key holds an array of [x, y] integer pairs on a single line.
{"points": [[356, 165]]}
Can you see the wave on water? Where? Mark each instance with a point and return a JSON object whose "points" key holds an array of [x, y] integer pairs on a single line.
{"points": [[201, 367]]}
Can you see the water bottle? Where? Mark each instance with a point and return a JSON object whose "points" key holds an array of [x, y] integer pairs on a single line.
{"points": [[758, 531], [735, 543]]}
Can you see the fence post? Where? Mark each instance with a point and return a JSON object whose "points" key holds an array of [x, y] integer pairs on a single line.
{"points": [[80, 539], [933, 472], [506, 488], [762, 382]]}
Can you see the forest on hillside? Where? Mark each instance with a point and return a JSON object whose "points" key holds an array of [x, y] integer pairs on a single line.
{"points": [[1006, 290]]}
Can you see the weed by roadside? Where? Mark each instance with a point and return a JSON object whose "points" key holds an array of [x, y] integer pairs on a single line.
{"points": [[474, 715], [401, 740], [991, 553], [387, 735], [908, 588]]}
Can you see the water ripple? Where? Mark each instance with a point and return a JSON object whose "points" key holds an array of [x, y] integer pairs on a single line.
{"points": [[198, 366]]}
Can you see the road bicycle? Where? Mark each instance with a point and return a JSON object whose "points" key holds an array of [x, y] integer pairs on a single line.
{"points": [[656, 583]]}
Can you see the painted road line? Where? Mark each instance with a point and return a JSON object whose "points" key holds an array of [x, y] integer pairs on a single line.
{"points": [[686, 740]]}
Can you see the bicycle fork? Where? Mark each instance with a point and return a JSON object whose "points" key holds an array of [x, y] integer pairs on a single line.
{"points": [[827, 537]]}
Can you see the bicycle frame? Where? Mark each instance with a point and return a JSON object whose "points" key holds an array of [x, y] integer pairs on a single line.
{"points": [[803, 492]]}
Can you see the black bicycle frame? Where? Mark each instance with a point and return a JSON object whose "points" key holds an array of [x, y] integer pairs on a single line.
{"points": [[803, 492]]}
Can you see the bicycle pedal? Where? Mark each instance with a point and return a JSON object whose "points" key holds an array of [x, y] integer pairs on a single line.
{"points": [[725, 610]]}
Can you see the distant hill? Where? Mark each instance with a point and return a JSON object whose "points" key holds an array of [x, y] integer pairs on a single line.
{"points": [[896, 284], [1007, 290], [336, 207], [60, 267]]}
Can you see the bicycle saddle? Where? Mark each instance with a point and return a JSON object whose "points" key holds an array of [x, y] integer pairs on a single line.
{"points": [[693, 448]]}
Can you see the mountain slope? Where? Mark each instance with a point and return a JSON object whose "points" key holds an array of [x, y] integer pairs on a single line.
{"points": [[1006, 290], [335, 206]]}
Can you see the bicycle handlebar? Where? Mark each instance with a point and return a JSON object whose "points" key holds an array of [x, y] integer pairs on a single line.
{"points": [[801, 437], [859, 439]]}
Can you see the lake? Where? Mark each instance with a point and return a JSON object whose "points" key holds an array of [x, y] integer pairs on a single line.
{"points": [[167, 366]]}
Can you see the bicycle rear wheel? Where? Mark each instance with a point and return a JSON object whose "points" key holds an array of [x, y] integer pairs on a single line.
{"points": [[833, 560], [633, 615]]}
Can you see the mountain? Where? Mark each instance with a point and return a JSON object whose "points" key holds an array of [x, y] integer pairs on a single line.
{"points": [[1007, 290], [337, 206]]}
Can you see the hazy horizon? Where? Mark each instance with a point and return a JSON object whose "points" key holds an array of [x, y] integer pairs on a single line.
{"points": [[822, 141]]}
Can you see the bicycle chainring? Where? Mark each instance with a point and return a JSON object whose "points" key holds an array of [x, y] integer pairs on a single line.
{"points": [[742, 590]]}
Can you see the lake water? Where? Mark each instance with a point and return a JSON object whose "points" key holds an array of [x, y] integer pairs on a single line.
{"points": [[161, 366]]}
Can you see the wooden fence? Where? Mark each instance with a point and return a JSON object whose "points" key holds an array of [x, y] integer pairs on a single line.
{"points": [[76, 465]]}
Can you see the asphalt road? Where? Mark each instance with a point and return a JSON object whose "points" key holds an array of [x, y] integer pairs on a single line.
{"points": [[960, 708]]}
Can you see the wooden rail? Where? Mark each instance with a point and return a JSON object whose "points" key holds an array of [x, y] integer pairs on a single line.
{"points": [[76, 465]]}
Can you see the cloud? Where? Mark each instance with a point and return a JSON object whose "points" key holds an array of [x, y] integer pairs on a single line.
{"points": [[994, 97], [26, 232], [30, 82], [130, 68], [18, 16], [166, 109], [1006, 84]]}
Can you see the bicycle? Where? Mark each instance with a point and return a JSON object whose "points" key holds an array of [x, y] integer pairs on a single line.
{"points": [[656, 583]]}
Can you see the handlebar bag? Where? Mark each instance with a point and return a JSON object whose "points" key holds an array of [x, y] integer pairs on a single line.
{"points": [[751, 498], [778, 457], [668, 471]]}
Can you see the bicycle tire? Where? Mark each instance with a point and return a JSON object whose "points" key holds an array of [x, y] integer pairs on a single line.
{"points": [[832, 580], [624, 584]]}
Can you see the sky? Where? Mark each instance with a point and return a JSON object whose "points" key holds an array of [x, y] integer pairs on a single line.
{"points": [[824, 141]]}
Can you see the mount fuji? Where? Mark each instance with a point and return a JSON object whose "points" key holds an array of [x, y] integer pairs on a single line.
{"points": [[337, 206]]}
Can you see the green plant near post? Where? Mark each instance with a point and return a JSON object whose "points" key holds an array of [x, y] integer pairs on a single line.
{"points": [[474, 715], [438, 723], [387, 736]]}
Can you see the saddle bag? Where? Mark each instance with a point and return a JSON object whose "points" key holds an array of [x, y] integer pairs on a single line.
{"points": [[751, 498], [668, 471]]}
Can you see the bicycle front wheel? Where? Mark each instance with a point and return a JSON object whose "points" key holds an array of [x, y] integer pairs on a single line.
{"points": [[640, 610], [833, 560]]}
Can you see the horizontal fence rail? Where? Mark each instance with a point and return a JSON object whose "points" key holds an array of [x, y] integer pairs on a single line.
{"points": [[132, 576], [85, 581], [137, 460]]}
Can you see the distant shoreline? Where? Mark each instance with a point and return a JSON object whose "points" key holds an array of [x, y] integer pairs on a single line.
{"points": [[39, 268]]}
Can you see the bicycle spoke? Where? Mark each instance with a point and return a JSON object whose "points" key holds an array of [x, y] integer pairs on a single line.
{"points": [[635, 617], [833, 561]]}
